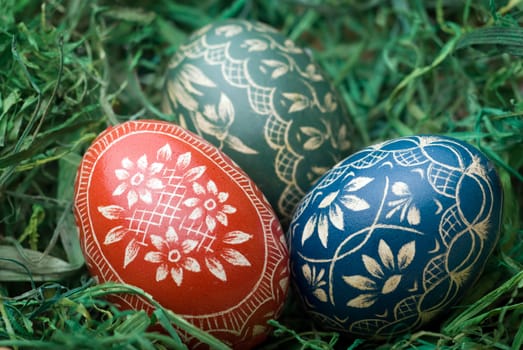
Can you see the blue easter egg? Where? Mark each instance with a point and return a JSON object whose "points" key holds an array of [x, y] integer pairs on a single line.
{"points": [[395, 234]]}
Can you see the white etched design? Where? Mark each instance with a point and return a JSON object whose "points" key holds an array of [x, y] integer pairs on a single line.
{"points": [[138, 179], [172, 256], [435, 218], [209, 204], [329, 211], [404, 204], [177, 198], [385, 275], [190, 90]]}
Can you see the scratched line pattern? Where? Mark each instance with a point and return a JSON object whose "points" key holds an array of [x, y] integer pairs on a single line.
{"points": [[445, 241], [273, 282]]}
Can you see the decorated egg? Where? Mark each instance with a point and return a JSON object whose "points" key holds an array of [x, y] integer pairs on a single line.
{"points": [[162, 209], [395, 234], [259, 98]]}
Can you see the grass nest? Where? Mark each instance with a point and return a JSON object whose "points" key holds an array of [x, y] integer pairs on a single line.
{"points": [[71, 68]]}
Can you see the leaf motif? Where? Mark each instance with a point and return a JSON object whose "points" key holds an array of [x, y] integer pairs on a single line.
{"points": [[121, 174], [164, 153], [236, 237], [132, 198], [170, 236], [210, 123], [183, 160], [191, 202], [145, 195], [154, 257], [310, 131], [115, 235], [320, 294], [413, 216], [188, 245], [328, 199], [312, 74], [196, 214], [354, 203], [222, 197], [278, 72], [273, 63], [229, 30], [161, 272], [154, 184], [406, 254], [255, 45], [329, 102], [362, 301], [342, 139], [391, 284], [360, 282], [198, 189], [120, 189], [300, 102], [309, 228], [298, 106], [131, 252], [142, 163], [216, 268], [179, 95], [157, 241], [372, 266], [210, 222], [111, 212], [155, 168], [313, 143], [336, 217], [400, 188], [323, 230], [195, 173], [191, 264], [177, 275], [192, 74], [320, 276], [127, 163], [234, 257], [307, 273], [226, 109], [358, 183], [236, 144], [385, 253], [212, 188]]}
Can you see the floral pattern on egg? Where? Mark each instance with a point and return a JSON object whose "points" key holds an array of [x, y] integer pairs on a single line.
{"points": [[162, 209], [259, 98], [395, 234]]}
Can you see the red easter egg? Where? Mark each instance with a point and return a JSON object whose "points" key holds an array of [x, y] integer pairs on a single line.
{"points": [[161, 209]]}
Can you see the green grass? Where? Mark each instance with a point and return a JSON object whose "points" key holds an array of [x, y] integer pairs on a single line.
{"points": [[71, 68]]}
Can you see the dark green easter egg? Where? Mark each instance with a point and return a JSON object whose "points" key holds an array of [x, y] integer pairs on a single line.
{"points": [[258, 97]]}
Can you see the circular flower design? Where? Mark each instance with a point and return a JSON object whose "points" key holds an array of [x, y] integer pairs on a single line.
{"points": [[171, 255], [209, 204], [386, 274], [138, 180]]}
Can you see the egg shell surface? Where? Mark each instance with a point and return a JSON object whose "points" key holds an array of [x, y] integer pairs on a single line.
{"points": [[261, 99], [162, 209], [395, 234]]}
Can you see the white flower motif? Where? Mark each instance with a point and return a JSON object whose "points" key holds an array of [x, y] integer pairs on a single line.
{"points": [[408, 209], [138, 180], [315, 279], [171, 255], [209, 204], [387, 275], [329, 212]]}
